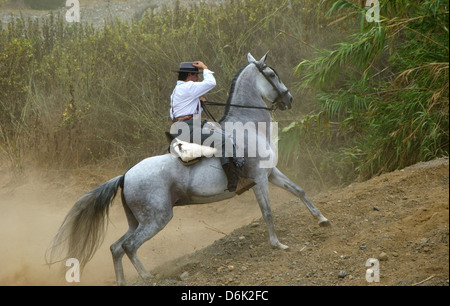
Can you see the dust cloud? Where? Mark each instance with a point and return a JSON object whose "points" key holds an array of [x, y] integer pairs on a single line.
{"points": [[34, 204]]}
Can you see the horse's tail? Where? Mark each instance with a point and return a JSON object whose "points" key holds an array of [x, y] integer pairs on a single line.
{"points": [[83, 229]]}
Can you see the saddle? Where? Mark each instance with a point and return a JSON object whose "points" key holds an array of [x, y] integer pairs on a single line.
{"points": [[191, 153]]}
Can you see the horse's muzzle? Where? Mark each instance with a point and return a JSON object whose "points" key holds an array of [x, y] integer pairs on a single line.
{"points": [[286, 102]]}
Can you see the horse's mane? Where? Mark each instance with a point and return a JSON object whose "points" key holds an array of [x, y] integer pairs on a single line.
{"points": [[231, 93]]}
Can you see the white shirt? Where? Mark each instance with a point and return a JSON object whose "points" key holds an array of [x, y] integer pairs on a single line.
{"points": [[185, 97]]}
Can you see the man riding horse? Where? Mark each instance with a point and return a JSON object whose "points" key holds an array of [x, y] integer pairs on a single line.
{"points": [[154, 186], [186, 106]]}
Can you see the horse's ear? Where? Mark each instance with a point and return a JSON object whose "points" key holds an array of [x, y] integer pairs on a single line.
{"points": [[250, 58], [263, 59]]}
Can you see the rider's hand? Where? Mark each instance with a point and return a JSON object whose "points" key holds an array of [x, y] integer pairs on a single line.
{"points": [[199, 65]]}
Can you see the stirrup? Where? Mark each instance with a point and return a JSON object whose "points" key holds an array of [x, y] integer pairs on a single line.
{"points": [[244, 185]]}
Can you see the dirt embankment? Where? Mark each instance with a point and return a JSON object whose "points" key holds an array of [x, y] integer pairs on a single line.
{"points": [[400, 219]]}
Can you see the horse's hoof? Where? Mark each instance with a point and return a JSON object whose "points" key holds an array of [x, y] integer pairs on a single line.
{"points": [[282, 246], [149, 279], [278, 245], [324, 223]]}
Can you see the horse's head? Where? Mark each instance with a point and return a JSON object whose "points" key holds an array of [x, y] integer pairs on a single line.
{"points": [[270, 85]]}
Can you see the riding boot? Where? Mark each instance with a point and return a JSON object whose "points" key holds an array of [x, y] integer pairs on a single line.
{"points": [[232, 176]]}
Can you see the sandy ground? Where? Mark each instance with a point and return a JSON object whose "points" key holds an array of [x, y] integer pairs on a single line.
{"points": [[400, 218]]}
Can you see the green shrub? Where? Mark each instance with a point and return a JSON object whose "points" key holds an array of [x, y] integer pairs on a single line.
{"points": [[387, 87], [72, 95]]}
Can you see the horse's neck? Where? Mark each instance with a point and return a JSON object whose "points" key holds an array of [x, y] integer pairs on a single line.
{"points": [[246, 94], [254, 123]]}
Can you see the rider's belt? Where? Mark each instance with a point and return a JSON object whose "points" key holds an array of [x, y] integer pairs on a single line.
{"points": [[183, 118]]}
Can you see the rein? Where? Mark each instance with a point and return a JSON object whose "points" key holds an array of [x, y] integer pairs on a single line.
{"points": [[208, 113], [274, 107]]}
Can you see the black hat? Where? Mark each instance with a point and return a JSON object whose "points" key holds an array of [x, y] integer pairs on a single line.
{"points": [[187, 67]]}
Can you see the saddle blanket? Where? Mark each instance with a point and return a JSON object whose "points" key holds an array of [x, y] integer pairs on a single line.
{"points": [[189, 152]]}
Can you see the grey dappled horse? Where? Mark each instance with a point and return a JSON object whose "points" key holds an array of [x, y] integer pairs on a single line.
{"points": [[151, 188]]}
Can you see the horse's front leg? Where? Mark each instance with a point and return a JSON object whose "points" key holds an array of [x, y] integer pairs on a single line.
{"points": [[261, 191], [281, 180]]}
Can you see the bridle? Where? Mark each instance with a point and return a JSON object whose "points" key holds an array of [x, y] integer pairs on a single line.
{"points": [[275, 103], [281, 94]]}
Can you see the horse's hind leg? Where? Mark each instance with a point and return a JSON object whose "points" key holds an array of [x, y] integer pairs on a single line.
{"points": [[279, 179], [117, 254], [116, 248], [148, 227]]}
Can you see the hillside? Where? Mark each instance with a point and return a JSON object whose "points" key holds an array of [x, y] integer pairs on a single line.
{"points": [[400, 218]]}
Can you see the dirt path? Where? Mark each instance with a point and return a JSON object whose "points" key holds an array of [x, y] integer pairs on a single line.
{"points": [[400, 218]]}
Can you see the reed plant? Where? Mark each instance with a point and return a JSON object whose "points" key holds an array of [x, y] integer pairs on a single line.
{"points": [[368, 97], [72, 95], [386, 88]]}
